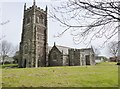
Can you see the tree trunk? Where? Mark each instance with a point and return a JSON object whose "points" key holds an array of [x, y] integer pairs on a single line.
{"points": [[3, 60]]}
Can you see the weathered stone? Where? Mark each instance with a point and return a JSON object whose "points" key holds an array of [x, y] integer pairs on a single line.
{"points": [[33, 45], [34, 48], [74, 57]]}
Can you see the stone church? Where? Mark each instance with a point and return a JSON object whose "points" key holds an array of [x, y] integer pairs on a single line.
{"points": [[65, 56], [34, 50]]}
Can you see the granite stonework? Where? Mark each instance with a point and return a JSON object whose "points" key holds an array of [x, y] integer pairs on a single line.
{"points": [[34, 50]]}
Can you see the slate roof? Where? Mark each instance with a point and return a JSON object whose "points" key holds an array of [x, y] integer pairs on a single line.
{"points": [[61, 49], [64, 49]]}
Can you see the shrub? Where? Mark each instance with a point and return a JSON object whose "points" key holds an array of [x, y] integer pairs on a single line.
{"points": [[118, 63]]}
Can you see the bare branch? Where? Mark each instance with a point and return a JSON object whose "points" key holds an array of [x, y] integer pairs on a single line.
{"points": [[91, 19]]}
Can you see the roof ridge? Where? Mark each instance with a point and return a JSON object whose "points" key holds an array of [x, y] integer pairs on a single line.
{"points": [[63, 46]]}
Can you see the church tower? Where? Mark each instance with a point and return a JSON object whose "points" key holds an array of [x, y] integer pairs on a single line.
{"points": [[33, 45]]}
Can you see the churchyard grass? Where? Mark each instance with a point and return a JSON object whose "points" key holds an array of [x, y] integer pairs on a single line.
{"points": [[101, 75]]}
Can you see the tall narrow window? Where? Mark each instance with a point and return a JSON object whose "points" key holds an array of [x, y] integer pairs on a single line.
{"points": [[28, 20], [54, 56], [37, 19], [41, 19], [26, 49]]}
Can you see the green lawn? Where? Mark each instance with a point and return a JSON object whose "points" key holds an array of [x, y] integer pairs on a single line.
{"points": [[100, 75]]}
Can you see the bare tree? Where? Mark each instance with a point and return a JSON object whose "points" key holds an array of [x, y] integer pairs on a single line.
{"points": [[119, 49], [113, 48], [97, 51], [88, 19], [1, 24], [6, 49]]}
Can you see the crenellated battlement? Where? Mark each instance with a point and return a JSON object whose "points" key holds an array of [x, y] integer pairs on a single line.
{"points": [[77, 50], [36, 8], [71, 49]]}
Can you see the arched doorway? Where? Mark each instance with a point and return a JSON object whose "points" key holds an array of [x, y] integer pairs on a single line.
{"points": [[24, 63], [87, 59]]}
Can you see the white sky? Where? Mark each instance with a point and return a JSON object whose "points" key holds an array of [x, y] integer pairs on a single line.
{"points": [[12, 10]]}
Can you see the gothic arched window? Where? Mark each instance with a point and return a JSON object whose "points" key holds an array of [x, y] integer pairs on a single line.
{"points": [[25, 49], [37, 19], [28, 20], [41, 19], [54, 55]]}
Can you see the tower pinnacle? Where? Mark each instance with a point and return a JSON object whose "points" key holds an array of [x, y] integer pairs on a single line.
{"points": [[46, 8], [34, 2], [24, 6], [54, 44]]}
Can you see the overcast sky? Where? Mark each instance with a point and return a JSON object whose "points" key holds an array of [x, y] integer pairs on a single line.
{"points": [[12, 10]]}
